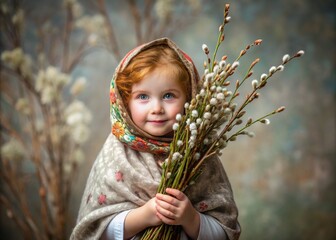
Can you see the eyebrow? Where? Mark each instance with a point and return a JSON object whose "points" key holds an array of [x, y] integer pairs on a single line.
{"points": [[138, 91], [145, 91]]}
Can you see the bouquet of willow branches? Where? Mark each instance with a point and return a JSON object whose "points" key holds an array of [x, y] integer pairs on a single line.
{"points": [[197, 133]]}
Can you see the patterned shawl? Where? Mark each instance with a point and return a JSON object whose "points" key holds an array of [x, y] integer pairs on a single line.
{"points": [[127, 170]]}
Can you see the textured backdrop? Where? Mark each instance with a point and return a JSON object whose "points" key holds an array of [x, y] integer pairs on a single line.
{"points": [[284, 178]]}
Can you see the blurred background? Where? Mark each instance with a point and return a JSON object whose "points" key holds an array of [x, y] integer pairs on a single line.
{"points": [[57, 59]]}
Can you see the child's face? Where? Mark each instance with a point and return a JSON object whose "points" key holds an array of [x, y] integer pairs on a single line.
{"points": [[155, 101]]}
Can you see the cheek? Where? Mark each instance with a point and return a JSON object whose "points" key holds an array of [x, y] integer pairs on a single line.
{"points": [[137, 117], [178, 109], [135, 110]]}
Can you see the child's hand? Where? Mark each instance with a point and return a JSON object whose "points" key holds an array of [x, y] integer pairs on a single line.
{"points": [[176, 209], [141, 218], [151, 213]]}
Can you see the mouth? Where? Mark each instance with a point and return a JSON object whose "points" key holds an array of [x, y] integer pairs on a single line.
{"points": [[157, 121]]}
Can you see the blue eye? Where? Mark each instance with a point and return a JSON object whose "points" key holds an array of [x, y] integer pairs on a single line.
{"points": [[168, 96], [142, 97]]}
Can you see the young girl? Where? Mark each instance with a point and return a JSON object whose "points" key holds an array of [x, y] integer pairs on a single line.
{"points": [[150, 86]]}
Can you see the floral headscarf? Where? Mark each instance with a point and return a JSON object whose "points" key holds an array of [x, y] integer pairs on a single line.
{"points": [[122, 125]]}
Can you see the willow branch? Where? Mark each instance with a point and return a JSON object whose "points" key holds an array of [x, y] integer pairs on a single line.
{"points": [[136, 19], [148, 19], [41, 174], [17, 189], [111, 34], [164, 25], [66, 38], [80, 55], [15, 217]]}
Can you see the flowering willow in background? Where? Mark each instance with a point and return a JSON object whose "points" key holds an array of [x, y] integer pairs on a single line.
{"points": [[211, 120], [150, 20], [43, 124]]}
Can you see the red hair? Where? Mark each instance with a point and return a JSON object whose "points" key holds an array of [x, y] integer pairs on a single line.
{"points": [[145, 63]]}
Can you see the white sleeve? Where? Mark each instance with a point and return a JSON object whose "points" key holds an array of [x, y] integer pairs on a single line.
{"points": [[115, 229], [210, 228]]}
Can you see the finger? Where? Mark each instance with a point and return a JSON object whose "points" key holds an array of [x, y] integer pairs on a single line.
{"points": [[167, 206], [176, 193], [168, 199], [165, 219], [165, 213]]}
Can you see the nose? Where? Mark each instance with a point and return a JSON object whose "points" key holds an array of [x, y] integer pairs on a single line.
{"points": [[157, 107]]}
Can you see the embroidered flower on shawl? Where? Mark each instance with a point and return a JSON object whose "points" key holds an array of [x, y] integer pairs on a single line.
{"points": [[203, 206], [102, 199], [118, 129], [139, 144], [160, 152], [129, 138], [119, 176], [113, 97]]}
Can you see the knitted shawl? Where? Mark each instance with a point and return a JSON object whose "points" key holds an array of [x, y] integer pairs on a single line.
{"points": [[127, 170]]}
